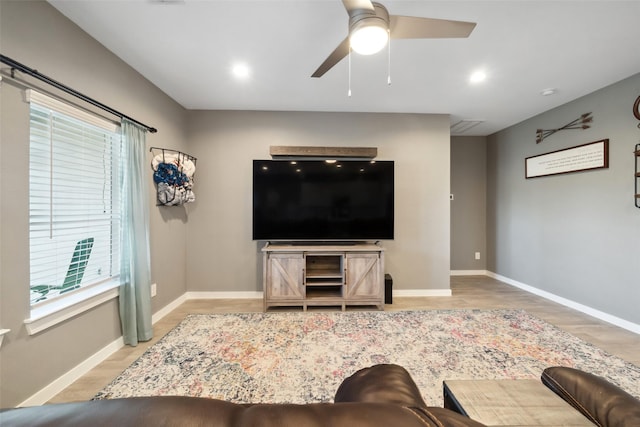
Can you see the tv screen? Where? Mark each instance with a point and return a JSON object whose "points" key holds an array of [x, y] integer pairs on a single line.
{"points": [[320, 200]]}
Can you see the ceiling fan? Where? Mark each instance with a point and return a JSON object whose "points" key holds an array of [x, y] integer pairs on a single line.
{"points": [[370, 27]]}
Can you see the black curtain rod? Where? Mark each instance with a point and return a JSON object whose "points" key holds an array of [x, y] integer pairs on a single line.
{"points": [[15, 65]]}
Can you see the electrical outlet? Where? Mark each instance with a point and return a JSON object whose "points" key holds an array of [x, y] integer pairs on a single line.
{"points": [[154, 289], [477, 255]]}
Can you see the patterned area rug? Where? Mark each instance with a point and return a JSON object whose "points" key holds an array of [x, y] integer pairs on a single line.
{"points": [[303, 357]]}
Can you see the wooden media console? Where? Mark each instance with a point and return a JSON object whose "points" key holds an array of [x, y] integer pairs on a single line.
{"points": [[323, 275]]}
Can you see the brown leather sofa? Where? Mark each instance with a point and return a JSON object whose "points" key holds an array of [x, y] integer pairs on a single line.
{"points": [[382, 395]]}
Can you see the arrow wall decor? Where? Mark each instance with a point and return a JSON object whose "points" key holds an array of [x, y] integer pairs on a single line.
{"points": [[579, 123]]}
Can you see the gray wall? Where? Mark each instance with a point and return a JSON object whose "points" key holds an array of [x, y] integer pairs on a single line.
{"points": [[221, 254], [576, 235], [216, 248], [36, 35], [468, 208]]}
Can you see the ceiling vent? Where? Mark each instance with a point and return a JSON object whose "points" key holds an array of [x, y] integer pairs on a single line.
{"points": [[464, 125]]}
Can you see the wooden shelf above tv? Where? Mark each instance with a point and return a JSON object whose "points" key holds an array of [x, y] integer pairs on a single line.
{"points": [[323, 152]]}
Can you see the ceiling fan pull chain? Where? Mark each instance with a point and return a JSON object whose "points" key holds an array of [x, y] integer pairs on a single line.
{"points": [[349, 91], [389, 59]]}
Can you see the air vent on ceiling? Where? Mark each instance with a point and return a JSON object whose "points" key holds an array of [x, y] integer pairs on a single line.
{"points": [[464, 125]]}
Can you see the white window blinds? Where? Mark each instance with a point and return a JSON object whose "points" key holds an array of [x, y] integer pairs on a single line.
{"points": [[74, 198]]}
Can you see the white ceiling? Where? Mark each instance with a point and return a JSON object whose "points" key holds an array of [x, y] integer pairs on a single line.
{"points": [[187, 48]]}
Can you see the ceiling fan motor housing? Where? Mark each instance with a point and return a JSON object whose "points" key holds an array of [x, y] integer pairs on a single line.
{"points": [[359, 18]]}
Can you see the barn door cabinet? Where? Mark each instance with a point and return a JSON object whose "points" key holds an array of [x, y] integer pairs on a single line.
{"points": [[285, 272], [323, 275], [363, 277]]}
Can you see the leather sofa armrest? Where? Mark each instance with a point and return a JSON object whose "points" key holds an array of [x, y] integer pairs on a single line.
{"points": [[602, 402], [384, 383]]}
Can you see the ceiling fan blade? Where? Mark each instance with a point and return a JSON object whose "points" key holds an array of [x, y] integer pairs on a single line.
{"points": [[410, 27], [357, 5], [336, 56]]}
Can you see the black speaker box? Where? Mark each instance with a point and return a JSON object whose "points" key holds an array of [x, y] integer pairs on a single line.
{"points": [[388, 289]]}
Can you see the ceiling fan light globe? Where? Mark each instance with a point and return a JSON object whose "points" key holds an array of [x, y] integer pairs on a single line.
{"points": [[368, 39]]}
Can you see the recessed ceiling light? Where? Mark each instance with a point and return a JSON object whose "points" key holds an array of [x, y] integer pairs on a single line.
{"points": [[241, 71], [549, 91], [478, 76]]}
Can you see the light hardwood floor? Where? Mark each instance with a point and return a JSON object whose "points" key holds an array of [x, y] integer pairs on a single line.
{"points": [[468, 292]]}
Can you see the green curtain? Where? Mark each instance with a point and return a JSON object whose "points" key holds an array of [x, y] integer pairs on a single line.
{"points": [[135, 270]]}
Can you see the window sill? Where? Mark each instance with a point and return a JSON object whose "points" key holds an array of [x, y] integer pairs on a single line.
{"points": [[57, 311], [3, 332]]}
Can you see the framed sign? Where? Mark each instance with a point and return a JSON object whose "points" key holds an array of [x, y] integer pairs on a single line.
{"points": [[594, 155]]}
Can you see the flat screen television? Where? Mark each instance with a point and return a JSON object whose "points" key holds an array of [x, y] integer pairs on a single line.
{"points": [[317, 200]]}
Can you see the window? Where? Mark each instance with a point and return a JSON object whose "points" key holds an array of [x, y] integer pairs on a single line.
{"points": [[74, 199]]}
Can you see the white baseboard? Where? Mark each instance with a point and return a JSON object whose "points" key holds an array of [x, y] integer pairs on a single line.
{"points": [[469, 273], [422, 293], [47, 393], [625, 324], [224, 295], [168, 308]]}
